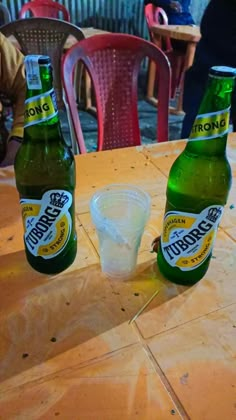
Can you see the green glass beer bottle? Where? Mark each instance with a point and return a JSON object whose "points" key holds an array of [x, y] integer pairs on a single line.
{"points": [[45, 175], [198, 186]]}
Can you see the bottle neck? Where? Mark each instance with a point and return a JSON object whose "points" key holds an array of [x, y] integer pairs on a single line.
{"points": [[210, 129], [41, 113]]}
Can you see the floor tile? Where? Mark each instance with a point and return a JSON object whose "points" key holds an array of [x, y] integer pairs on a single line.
{"points": [[48, 315], [120, 169], [176, 305], [123, 385], [229, 215], [198, 360], [160, 158]]}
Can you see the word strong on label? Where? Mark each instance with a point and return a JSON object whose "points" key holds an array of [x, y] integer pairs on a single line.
{"points": [[40, 108], [37, 110], [188, 238], [210, 126], [47, 223]]}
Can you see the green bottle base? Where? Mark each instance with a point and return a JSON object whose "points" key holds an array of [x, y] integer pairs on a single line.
{"points": [[55, 265], [177, 276]]}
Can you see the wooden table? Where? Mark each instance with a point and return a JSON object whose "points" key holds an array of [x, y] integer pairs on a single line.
{"points": [[87, 33], [189, 34], [67, 347]]}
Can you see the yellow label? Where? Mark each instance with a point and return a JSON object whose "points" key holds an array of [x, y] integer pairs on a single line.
{"points": [[29, 210], [210, 126], [40, 108], [200, 255], [59, 239], [188, 238], [175, 222], [47, 223]]}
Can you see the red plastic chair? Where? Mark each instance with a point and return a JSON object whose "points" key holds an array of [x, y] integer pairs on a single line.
{"points": [[45, 36], [113, 62], [156, 15], [44, 8]]}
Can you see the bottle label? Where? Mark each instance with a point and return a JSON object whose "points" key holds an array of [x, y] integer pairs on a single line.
{"points": [[40, 108], [32, 72], [47, 223], [211, 125], [188, 238]]}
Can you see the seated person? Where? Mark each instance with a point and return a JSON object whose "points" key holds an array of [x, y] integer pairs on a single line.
{"points": [[215, 48], [178, 12], [13, 87]]}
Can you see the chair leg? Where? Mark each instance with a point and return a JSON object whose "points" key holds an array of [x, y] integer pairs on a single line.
{"points": [[78, 81], [74, 144], [88, 96], [151, 83], [88, 88], [189, 56]]}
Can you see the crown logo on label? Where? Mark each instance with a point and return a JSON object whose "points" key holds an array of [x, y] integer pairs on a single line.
{"points": [[213, 214], [58, 200]]}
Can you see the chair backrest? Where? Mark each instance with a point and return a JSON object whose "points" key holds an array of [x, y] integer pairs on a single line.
{"points": [[44, 36], [113, 62], [5, 15], [44, 8], [157, 16]]}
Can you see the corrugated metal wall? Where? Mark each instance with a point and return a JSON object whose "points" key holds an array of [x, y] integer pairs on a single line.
{"points": [[113, 15]]}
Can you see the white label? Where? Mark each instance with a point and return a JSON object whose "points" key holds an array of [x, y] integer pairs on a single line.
{"points": [[47, 223], [32, 72], [188, 238]]}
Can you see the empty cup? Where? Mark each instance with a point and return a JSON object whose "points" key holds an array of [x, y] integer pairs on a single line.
{"points": [[119, 213]]}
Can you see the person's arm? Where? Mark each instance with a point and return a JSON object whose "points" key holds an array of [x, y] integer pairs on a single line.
{"points": [[12, 148], [12, 83], [171, 4]]}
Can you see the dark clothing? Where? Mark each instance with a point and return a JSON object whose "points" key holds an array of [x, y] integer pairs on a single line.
{"points": [[174, 17], [216, 47]]}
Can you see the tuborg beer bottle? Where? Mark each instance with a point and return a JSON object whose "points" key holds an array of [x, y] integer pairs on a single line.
{"points": [[198, 186], [45, 175]]}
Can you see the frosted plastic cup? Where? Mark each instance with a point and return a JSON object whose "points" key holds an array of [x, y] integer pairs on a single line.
{"points": [[119, 213]]}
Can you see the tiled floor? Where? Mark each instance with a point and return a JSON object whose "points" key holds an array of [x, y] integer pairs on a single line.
{"points": [[147, 118]]}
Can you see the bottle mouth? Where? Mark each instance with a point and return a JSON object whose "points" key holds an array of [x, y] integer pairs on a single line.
{"points": [[222, 71], [37, 58], [44, 59]]}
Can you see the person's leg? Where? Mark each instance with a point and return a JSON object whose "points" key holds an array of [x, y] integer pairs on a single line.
{"points": [[194, 89], [233, 110]]}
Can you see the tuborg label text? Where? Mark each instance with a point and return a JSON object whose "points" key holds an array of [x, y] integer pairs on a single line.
{"points": [[188, 238], [47, 223]]}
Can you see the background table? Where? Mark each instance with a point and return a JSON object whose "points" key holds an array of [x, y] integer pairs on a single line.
{"points": [[67, 348], [189, 34]]}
